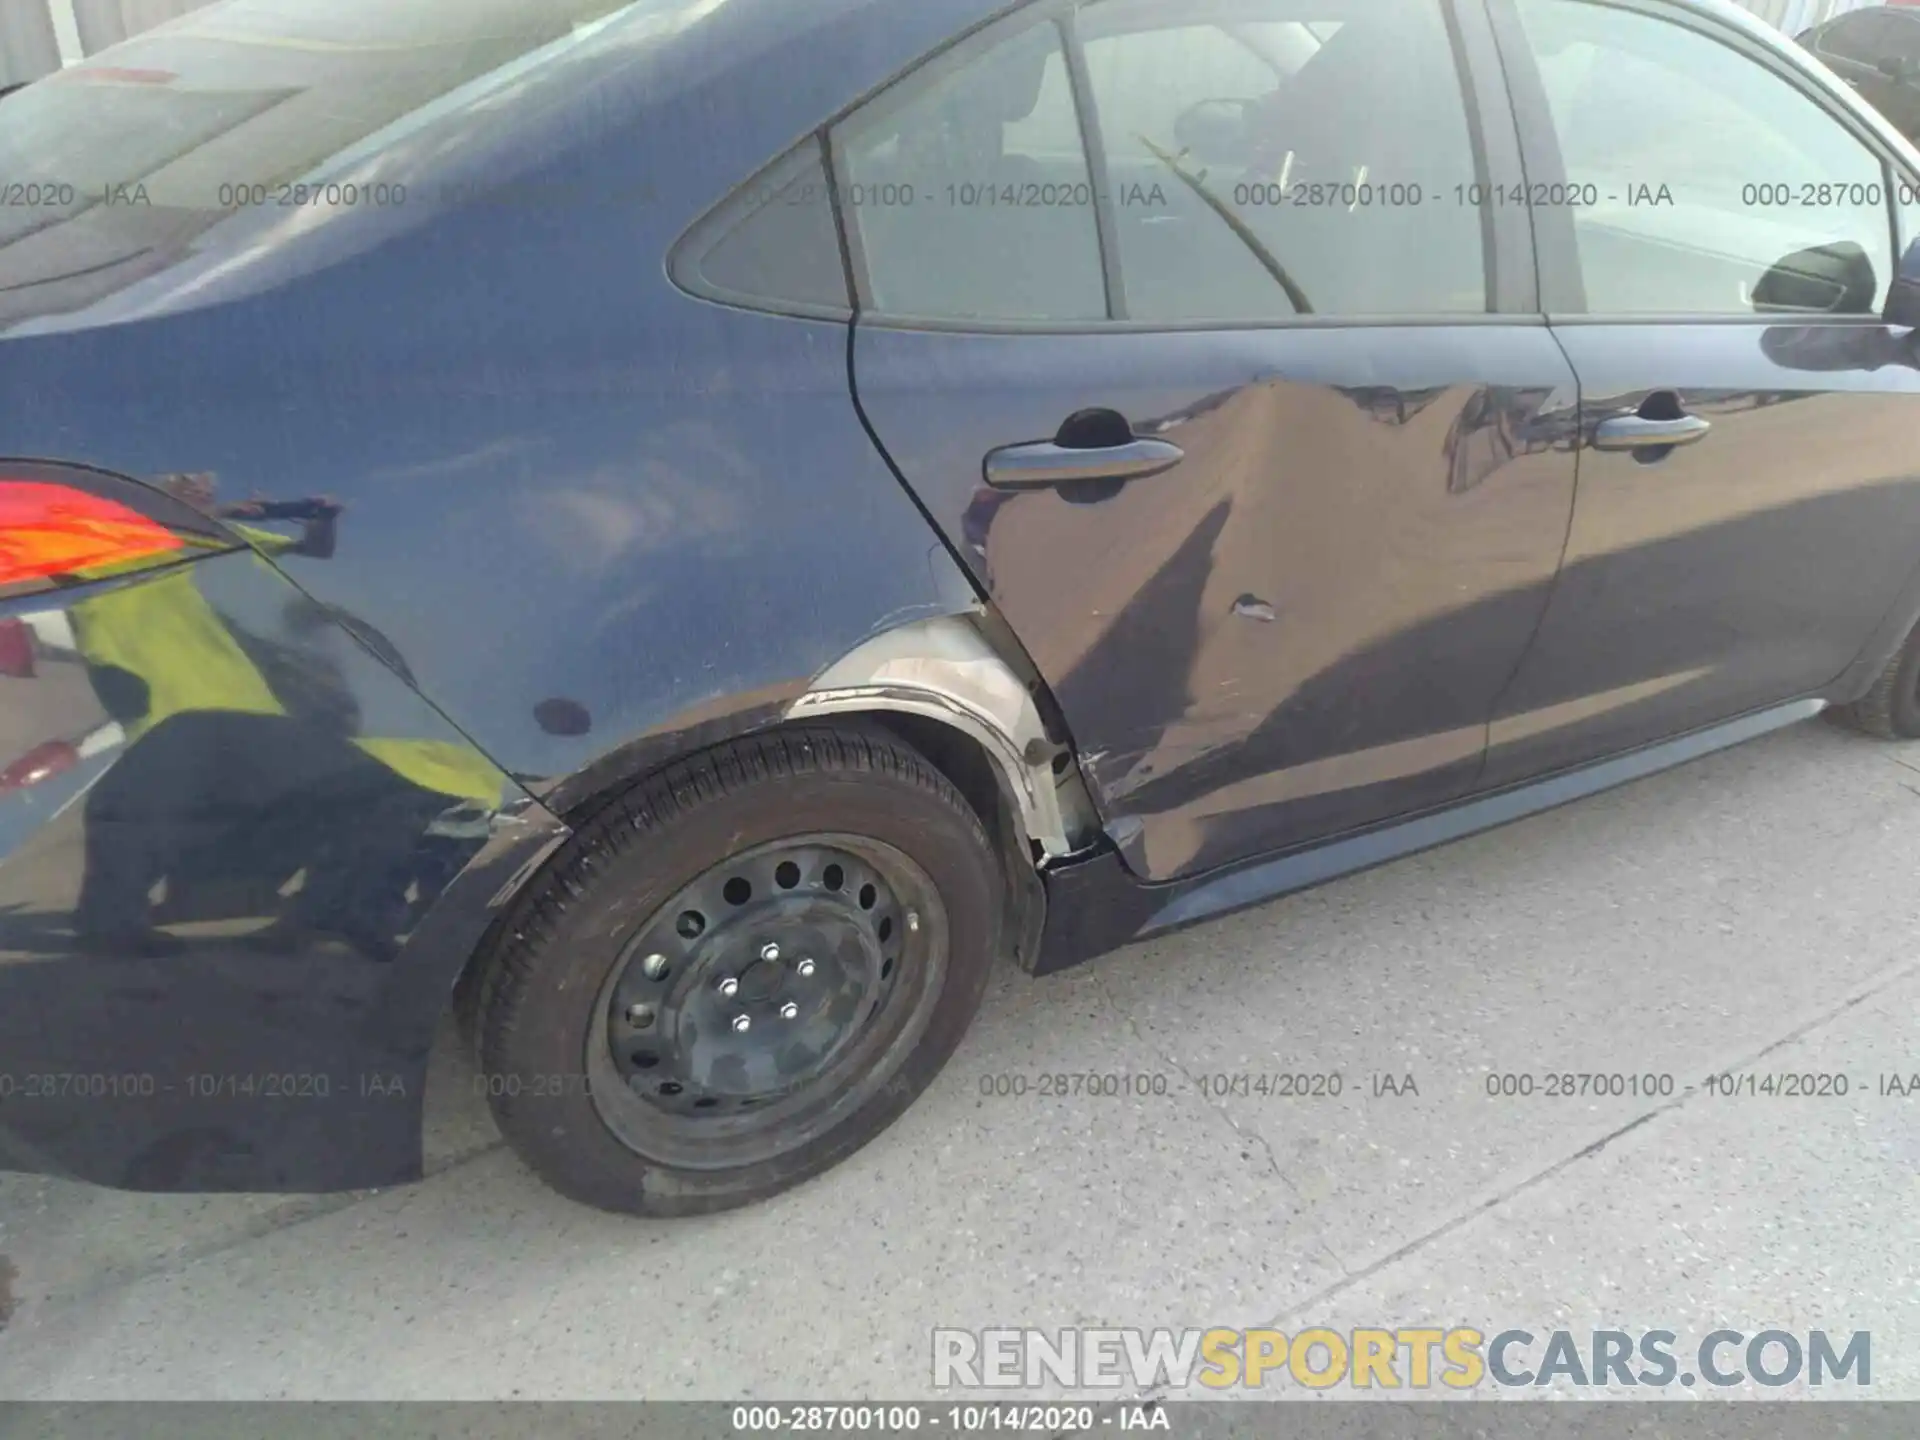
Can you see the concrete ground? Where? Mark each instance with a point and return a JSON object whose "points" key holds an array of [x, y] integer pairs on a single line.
{"points": [[1757, 912]]}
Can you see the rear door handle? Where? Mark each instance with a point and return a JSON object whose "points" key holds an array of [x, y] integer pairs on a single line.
{"points": [[1636, 432], [1043, 464]]}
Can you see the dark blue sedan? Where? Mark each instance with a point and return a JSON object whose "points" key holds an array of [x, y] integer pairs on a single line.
{"points": [[681, 532]]}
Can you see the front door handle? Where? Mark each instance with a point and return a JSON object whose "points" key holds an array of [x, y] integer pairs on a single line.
{"points": [[1637, 432], [1045, 463]]}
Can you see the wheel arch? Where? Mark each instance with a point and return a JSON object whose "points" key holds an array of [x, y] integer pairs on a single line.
{"points": [[956, 689], [956, 672]]}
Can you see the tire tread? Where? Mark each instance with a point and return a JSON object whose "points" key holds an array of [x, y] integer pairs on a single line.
{"points": [[510, 970], [1877, 713]]}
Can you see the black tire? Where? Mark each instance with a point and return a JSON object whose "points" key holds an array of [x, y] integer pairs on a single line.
{"points": [[1891, 709], [550, 1008]]}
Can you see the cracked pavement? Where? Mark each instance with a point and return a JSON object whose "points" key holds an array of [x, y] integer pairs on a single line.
{"points": [[1753, 912]]}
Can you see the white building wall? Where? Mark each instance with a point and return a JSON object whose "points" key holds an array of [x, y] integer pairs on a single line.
{"points": [[28, 47], [107, 22], [35, 35]]}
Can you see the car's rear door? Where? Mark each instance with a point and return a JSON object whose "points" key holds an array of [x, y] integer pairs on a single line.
{"points": [[1274, 497], [1749, 494]]}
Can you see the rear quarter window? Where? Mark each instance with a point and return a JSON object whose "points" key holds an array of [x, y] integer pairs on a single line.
{"points": [[772, 245]]}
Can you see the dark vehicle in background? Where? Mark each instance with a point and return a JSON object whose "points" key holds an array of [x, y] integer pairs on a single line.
{"points": [[681, 532], [1877, 51]]}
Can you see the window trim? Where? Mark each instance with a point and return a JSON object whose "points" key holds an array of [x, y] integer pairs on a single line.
{"points": [[1513, 280], [1562, 276], [875, 320], [1508, 247], [1513, 256], [1093, 145]]}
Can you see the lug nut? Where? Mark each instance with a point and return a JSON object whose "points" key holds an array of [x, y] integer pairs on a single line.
{"points": [[728, 986], [789, 1010], [913, 919], [640, 1016], [742, 1024], [654, 966], [769, 951], [804, 968]]}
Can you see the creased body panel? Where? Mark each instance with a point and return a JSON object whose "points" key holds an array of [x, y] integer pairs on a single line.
{"points": [[1302, 628]]}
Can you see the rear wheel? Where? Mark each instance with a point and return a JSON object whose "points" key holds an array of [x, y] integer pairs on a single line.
{"points": [[739, 973], [1891, 709]]}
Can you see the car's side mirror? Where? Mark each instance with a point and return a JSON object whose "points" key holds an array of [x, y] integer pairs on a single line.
{"points": [[1891, 66], [1836, 279], [1216, 132], [1903, 301]]}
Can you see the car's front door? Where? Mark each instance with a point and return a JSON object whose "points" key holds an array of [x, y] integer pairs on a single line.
{"points": [[1275, 496], [1749, 485]]}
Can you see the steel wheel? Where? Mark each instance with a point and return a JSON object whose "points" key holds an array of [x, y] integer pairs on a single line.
{"points": [[740, 971], [767, 998]]}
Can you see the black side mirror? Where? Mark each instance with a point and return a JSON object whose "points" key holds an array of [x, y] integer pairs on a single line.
{"points": [[1903, 301], [1216, 132], [1891, 66], [1836, 279]]}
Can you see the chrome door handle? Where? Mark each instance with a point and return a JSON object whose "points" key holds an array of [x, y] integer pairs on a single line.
{"points": [[1635, 432], [1044, 464]]}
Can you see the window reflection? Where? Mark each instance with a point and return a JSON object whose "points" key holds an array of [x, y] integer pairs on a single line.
{"points": [[125, 158]]}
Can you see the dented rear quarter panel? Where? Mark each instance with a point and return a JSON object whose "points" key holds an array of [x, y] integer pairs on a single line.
{"points": [[563, 478], [592, 520]]}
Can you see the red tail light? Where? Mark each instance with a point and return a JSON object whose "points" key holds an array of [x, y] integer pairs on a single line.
{"points": [[41, 763], [48, 531]]}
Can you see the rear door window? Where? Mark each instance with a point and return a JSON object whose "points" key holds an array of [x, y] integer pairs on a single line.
{"points": [[1269, 159], [966, 189]]}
